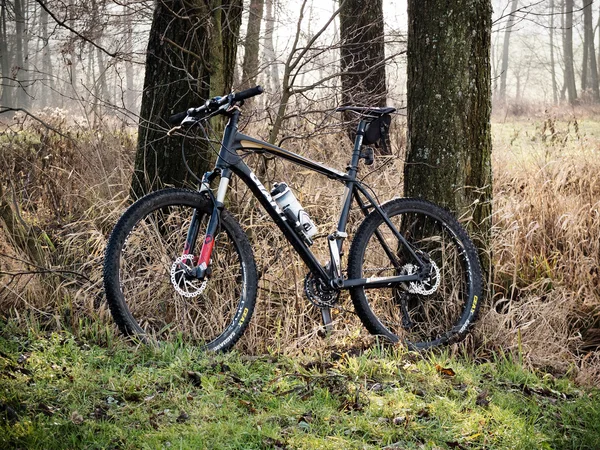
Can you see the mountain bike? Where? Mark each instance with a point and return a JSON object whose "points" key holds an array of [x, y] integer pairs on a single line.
{"points": [[179, 266]]}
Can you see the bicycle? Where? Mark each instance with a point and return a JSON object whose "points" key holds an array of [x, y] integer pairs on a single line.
{"points": [[413, 272]]}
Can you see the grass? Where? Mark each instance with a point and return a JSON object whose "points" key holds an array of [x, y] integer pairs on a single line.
{"points": [[61, 391]]}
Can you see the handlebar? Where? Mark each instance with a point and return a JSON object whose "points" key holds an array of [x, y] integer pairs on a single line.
{"points": [[213, 105]]}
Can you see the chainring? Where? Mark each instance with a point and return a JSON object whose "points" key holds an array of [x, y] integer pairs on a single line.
{"points": [[318, 293]]}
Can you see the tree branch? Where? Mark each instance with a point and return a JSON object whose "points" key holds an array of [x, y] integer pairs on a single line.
{"points": [[72, 30], [4, 109]]}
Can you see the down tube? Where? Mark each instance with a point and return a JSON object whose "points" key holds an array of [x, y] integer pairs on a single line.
{"points": [[265, 199]]}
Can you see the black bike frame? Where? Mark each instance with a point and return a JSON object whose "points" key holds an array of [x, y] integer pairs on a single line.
{"points": [[230, 162]]}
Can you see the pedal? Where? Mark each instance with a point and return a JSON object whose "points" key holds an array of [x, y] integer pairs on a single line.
{"points": [[368, 155]]}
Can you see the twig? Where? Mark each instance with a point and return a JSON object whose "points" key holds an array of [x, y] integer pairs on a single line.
{"points": [[72, 30], [4, 109], [37, 272]]}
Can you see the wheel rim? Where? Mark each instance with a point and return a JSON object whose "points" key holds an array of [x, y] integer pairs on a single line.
{"points": [[145, 265], [419, 320]]}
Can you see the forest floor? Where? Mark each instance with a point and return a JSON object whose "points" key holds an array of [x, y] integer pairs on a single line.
{"points": [[60, 391]]}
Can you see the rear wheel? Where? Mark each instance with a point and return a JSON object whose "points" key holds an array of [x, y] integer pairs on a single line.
{"points": [[422, 314], [148, 293]]}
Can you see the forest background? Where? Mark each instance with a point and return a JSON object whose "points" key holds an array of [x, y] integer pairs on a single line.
{"points": [[72, 81]]}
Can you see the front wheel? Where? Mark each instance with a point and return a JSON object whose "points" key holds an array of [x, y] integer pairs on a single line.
{"points": [[146, 288], [422, 314]]}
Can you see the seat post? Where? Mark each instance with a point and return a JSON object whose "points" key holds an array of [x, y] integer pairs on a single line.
{"points": [[360, 132]]}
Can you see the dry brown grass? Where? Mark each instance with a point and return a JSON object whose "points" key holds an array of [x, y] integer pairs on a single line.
{"points": [[546, 242]]}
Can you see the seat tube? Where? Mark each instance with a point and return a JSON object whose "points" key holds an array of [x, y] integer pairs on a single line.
{"points": [[352, 171]]}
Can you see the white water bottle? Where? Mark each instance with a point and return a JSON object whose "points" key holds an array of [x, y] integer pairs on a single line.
{"points": [[291, 207]]}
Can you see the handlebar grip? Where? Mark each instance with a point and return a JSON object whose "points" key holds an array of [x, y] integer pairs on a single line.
{"points": [[176, 119], [248, 93]]}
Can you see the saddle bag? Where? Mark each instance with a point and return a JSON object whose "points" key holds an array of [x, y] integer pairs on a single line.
{"points": [[377, 129]]}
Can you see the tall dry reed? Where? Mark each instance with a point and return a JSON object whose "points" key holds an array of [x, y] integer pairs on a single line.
{"points": [[546, 242]]}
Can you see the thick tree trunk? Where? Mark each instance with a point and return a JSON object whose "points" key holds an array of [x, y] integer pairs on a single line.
{"points": [[362, 56], [251, 48], [190, 57], [449, 107], [568, 53], [504, 70]]}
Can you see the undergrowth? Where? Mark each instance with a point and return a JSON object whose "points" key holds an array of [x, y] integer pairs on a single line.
{"points": [[544, 303]]}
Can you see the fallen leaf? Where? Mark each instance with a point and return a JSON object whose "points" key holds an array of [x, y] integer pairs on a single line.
{"points": [[248, 406], [482, 399], [399, 420], [76, 418], [447, 371], [195, 379]]}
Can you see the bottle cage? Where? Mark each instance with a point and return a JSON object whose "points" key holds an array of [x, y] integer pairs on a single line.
{"points": [[377, 129]]}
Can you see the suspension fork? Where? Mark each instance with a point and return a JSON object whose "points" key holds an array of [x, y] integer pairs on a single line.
{"points": [[203, 260]]}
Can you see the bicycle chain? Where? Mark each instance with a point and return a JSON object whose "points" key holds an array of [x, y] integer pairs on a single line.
{"points": [[176, 268]]}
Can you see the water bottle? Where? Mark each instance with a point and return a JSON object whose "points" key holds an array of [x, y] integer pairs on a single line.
{"points": [[291, 207]]}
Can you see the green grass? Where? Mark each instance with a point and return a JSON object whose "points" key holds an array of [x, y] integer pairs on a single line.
{"points": [[59, 391]]}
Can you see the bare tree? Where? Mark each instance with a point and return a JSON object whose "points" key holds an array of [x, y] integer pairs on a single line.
{"points": [[589, 73], [362, 56], [251, 50], [568, 52], [505, 50]]}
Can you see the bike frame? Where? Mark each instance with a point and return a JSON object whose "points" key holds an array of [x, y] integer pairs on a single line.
{"points": [[229, 162]]}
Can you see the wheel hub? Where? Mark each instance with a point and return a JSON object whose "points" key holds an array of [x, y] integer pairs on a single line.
{"points": [[183, 283], [428, 285]]}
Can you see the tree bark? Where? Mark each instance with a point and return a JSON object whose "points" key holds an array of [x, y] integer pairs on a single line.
{"points": [[505, 48], [568, 53], [190, 57], [251, 47], [362, 56], [449, 105]]}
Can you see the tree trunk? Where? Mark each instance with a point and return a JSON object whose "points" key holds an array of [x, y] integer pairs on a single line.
{"points": [[46, 96], [591, 66], [6, 99], [129, 97], [251, 48], [568, 53], [505, 48], [362, 56], [552, 59], [449, 105], [190, 57], [21, 55], [273, 81]]}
